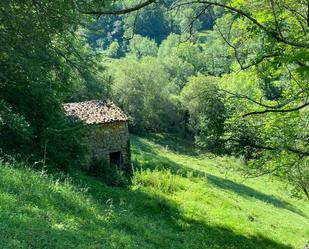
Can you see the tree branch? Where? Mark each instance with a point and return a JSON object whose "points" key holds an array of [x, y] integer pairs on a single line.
{"points": [[308, 13], [272, 4], [241, 96], [115, 12], [263, 147], [133, 27], [230, 45], [279, 105], [270, 32], [190, 25], [277, 110]]}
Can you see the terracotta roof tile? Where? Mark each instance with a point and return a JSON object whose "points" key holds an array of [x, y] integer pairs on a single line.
{"points": [[95, 112]]}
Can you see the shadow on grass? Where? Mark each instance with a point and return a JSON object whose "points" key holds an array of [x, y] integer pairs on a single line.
{"points": [[246, 192], [105, 217], [169, 228], [151, 160], [34, 214], [171, 142], [146, 157]]}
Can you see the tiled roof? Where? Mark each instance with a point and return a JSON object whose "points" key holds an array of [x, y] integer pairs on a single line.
{"points": [[95, 112]]}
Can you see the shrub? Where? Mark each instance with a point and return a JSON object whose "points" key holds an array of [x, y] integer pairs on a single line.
{"points": [[162, 180], [109, 173]]}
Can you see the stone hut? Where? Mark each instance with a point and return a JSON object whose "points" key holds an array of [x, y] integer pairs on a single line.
{"points": [[109, 136]]}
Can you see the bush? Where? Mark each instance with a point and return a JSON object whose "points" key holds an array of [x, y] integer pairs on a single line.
{"points": [[109, 173], [162, 180]]}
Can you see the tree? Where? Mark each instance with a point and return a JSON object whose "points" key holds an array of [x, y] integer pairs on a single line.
{"points": [[41, 63], [142, 46], [202, 98], [276, 143], [142, 88]]}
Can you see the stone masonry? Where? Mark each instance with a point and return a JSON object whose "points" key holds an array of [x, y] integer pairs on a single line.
{"points": [[109, 136]]}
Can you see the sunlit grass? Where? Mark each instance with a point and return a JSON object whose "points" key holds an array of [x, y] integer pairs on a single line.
{"points": [[178, 199]]}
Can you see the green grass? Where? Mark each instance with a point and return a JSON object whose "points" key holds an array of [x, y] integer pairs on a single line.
{"points": [[178, 199]]}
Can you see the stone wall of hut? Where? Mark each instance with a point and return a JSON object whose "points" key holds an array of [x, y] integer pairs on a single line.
{"points": [[108, 138]]}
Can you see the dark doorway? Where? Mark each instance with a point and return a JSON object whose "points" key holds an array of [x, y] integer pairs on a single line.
{"points": [[116, 158]]}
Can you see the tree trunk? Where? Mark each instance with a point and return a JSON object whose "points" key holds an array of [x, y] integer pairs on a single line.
{"points": [[306, 192]]}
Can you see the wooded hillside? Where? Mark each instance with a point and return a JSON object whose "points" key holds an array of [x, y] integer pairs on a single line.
{"points": [[230, 77]]}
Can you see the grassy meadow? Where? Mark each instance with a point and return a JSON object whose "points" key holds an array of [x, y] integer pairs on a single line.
{"points": [[179, 198]]}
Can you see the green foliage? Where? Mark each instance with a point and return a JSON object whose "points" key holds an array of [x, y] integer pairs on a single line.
{"points": [[274, 143], [71, 137], [44, 60], [158, 180], [178, 70], [152, 22], [190, 53], [109, 173], [140, 46], [113, 50], [260, 53], [13, 127], [168, 44], [215, 54], [142, 88], [162, 63], [205, 104]]}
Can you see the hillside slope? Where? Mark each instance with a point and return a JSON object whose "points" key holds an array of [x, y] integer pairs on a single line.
{"points": [[177, 200]]}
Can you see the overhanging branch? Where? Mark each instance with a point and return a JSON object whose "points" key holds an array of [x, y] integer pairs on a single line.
{"points": [[264, 147], [115, 12], [272, 33], [277, 110]]}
